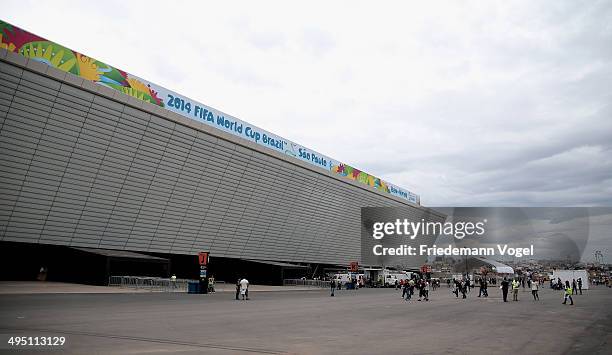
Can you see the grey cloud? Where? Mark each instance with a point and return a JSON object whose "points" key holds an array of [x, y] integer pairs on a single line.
{"points": [[556, 233]]}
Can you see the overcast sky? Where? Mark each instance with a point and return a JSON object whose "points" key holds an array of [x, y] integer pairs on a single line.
{"points": [[555, 233], [482, 103]]}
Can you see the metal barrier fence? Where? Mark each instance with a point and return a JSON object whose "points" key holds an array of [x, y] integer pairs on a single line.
{"points": [[149, 283], [301, 282]]}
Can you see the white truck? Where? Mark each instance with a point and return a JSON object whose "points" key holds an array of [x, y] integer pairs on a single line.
{"points": [[570, 275], [346, 277], [391, 276]]}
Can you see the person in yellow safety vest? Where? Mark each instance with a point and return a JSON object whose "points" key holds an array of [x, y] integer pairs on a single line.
{"points": [[568, 293], [515, 288]]}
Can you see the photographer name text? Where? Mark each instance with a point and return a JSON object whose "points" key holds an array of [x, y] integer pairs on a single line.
{"points": [[434, 250]]}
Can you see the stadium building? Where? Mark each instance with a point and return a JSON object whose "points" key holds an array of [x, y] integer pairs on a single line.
{"points": [[105, 173]]}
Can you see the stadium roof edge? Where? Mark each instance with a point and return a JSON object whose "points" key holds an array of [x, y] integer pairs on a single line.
{"points": [[89, 70]]}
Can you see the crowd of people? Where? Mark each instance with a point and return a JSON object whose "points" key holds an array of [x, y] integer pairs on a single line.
{"points": [[422, 285], [463, 286], [559, 285], [605, 281], [459, 286]]}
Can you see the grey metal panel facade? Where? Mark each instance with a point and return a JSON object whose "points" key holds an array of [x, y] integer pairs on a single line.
{"points": [[81, 169]]}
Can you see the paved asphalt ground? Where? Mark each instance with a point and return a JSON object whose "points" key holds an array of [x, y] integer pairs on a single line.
{"points": [[368, 321]]}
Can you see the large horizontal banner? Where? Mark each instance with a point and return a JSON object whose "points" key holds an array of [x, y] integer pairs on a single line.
{"points": [[37, 48]]}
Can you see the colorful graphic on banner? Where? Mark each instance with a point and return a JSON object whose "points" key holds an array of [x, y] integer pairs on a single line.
{"points": [[31, 46], [14, 39], [360, 176]]}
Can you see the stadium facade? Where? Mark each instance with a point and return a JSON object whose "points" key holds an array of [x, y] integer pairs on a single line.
{"points": [[89, 160]]}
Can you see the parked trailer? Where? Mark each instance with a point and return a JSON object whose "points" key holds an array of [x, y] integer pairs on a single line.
{"points": [[570, 275]]}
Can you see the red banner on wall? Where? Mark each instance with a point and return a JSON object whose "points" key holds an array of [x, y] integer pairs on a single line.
{"points": [[425, 268], [203, 258]]}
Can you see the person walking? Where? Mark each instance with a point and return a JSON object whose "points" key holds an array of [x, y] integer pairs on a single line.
{"points": [[515, 289], [244, 289], [485, 291], [238, 289], [534, 291], [504, 288], [568, 293], [574, 287], [483, 288], [580, 285], [411, 286], [421, 287], [332, 284]]}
